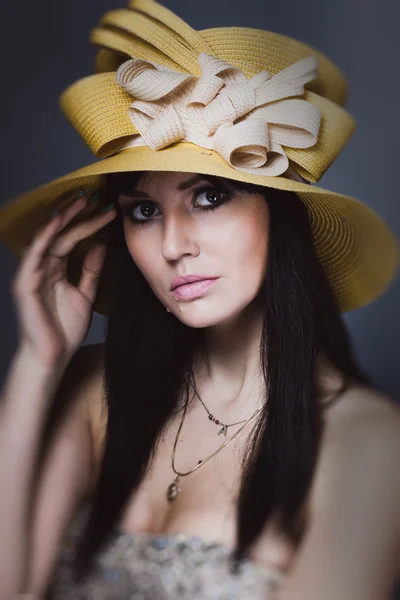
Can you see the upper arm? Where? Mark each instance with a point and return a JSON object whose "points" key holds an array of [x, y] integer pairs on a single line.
{"points": [[350, 548], [66, 473]]}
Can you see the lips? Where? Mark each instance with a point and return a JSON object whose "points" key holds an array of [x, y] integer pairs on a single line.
{"points": [[178, 281], [195, 289]]}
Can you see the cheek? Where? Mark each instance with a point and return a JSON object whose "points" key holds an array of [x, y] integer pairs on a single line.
{"points": [[243, 242]]}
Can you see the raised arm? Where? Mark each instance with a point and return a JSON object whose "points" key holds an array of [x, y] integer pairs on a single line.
{"points": [[54, 317]]}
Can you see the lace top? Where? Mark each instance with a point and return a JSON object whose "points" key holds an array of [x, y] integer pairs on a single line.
{"points": [[147, 566]]}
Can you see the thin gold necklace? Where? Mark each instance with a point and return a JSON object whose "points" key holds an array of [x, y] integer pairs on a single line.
{"points": [[173, 489], [225, 426]]}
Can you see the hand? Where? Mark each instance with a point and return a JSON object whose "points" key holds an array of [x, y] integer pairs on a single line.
{"points": [[54, 316]]}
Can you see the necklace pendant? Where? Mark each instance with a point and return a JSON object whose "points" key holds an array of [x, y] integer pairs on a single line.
{"points": [[223, 430], [173, 490]]}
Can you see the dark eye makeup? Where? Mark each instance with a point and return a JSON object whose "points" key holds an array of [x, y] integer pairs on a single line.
{"points": [[129, 206]]}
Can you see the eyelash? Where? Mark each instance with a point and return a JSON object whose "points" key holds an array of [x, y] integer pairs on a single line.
{"points": [[131, 206]]}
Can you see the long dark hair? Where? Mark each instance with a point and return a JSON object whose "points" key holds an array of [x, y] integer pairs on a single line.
{"points": [[149, 358]]}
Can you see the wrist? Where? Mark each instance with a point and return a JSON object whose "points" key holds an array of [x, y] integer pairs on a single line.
{"points": [[39, 364]]}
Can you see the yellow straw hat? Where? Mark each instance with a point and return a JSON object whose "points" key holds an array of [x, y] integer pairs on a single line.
{"points": [[236, 102]]}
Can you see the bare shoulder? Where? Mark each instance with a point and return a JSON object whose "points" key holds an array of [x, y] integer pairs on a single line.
{"points": [[351, 545], [361, 409], [362, 423], [359, 464]]}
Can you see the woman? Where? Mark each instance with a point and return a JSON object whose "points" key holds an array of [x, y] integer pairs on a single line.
{"points": [[236, 416]]}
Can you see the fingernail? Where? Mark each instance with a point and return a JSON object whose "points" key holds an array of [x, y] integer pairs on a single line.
{"points": [[108, 207], [79, 195], [95, 196]]}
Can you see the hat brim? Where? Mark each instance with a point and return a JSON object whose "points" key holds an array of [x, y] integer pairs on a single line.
{"points": [[355, 246]]}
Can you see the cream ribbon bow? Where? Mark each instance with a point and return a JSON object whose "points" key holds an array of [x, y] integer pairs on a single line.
{"points": [[247, 121]]}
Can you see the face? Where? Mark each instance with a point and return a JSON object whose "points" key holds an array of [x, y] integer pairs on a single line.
{"points": [[180, 224]]}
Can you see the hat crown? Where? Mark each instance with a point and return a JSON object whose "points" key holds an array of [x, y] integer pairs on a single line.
{"points": [[99, 109]]}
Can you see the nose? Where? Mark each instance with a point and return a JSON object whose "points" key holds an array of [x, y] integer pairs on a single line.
{"points": [[179, 237]]}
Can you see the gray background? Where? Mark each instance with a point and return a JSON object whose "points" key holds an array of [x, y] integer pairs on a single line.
{"points": [[44, 48]]}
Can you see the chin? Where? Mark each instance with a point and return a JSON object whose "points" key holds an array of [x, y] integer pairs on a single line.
{"points": [[198, 315], [195, 318]]}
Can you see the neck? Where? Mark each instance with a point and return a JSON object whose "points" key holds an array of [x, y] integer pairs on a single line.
{"points": [[230, 371]]}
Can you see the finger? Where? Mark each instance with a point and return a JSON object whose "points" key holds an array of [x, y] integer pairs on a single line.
{"points": [[91, 271], [65, 242], [32, 254], [69, 212], [44, 236], [91, 206]]}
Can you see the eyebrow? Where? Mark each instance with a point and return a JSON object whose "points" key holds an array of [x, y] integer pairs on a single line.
{"points": [[184, 185]]}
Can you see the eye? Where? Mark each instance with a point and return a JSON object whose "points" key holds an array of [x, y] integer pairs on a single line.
{"points": [[141, 212], [144, 212], [213, 198]]}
